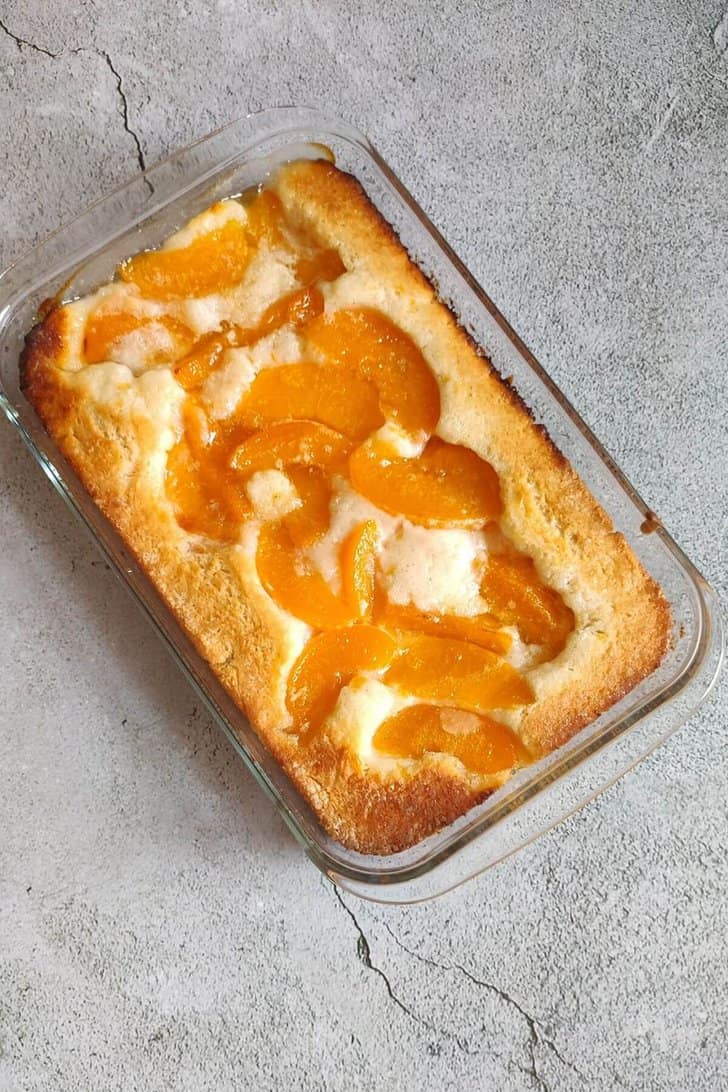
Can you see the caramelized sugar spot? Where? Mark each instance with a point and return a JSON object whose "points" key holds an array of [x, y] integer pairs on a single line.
{"points": [[483, 745], [290, 579], [365, 340], [329, 662], [306, 392], [358, 567], [515, 593], [446, 486], [443, 669]]}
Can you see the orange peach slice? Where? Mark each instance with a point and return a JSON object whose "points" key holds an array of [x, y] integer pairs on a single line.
{"points": [[203, 504], [483, 745], [106, 329], [213, 262], [294, 309], [443, 669], [294, 392], [367, 341], [482, 629], [310, 521], [329, 662], [209, 499], [325, 265], [290, 579], [446, 486], [516, 594], [266, 219], [304, 443], [358, 562], [193, 369], [185, 491]]}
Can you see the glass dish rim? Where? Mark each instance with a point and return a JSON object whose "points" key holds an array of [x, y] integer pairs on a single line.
{"points": [[708, 622]]}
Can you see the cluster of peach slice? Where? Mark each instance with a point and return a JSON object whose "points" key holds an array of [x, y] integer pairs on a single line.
{"points": [[318, 419]]}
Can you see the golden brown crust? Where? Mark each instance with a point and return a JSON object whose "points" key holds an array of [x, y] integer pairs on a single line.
{"points": [[623, 622], [383, 817]]}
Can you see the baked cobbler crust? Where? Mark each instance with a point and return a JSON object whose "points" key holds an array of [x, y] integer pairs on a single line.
{"points": [[117, 427]]}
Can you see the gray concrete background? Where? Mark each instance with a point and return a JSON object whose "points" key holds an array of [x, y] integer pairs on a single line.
{"points": [[159, 929]]}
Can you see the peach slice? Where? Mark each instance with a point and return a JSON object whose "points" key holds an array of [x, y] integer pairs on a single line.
{"points": [[329, 662], [483, 745], [213, 262], [104, 330], [267, 225], [290, 579], [482, 629], [193, 369], [294, 309], [203, 505], [443, 669], [304, 443], [324, 265], [515, 593], [294, 392], [209, 499], [266, 219], [309, 522], [185, 490], [367, 341], [358, 563], [446, 486]]}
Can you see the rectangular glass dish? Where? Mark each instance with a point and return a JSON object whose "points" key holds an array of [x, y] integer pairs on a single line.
{"points": [[140, 215]]}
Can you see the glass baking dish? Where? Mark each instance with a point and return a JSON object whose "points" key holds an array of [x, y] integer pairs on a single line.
{"points": [[79, 257]]}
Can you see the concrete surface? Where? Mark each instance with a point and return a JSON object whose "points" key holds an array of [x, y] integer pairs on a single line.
{"points": [[159, 929]]}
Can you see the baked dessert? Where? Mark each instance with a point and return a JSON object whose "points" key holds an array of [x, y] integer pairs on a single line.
{"points": [[387, 563]]}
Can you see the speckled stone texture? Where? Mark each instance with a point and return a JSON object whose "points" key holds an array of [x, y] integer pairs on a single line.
{"points": [[159, 929]]}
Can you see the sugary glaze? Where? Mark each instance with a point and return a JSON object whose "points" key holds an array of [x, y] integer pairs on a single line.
{"points": [[300, 438]]}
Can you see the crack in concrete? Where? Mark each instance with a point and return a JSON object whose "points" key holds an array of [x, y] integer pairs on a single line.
{"points": [[534, 1036], [364, 952], [536, 1033], [106, 58], [20, 42], [124, 108]]}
